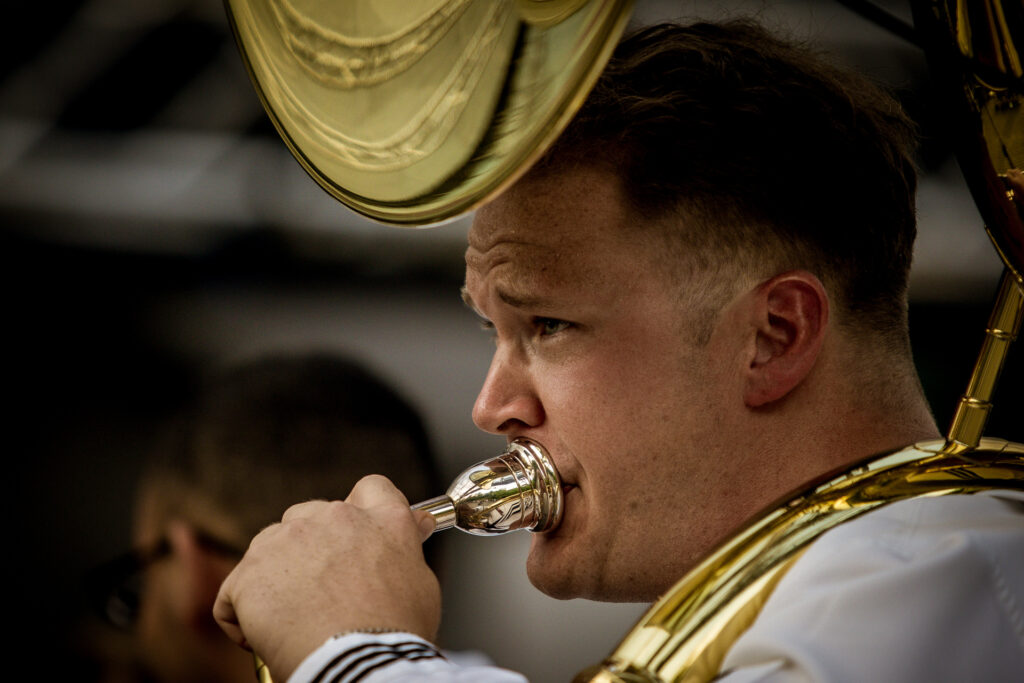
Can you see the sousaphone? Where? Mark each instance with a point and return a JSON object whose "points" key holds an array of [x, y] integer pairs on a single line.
{"points": [[413, 113]]}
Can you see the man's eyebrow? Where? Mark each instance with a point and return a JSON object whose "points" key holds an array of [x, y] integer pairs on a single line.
{"points": [[520, 301], [467, 299], [514, 300]]}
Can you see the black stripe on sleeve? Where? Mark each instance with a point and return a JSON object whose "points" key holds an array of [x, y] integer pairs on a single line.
{"points": [[429, 654], [360, 660]]}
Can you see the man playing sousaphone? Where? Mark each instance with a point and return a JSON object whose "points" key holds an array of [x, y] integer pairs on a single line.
{"points": [[699, 302]]}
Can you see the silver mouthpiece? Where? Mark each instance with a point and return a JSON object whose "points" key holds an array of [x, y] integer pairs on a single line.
{"points": [[519, 489]]}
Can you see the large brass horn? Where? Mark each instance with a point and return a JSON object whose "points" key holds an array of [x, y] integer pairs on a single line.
{"points": [[414, 113]]}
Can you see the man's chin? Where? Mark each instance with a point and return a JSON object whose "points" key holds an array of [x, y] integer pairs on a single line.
{"points": [[558, 587], [564, 575], [555, 568], [551, 571]]}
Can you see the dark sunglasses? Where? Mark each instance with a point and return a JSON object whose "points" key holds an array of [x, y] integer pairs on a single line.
{"points": [[114, 587]]}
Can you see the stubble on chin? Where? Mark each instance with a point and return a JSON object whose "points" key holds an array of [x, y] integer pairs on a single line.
{"points": [[552, 571], [558, 574]]}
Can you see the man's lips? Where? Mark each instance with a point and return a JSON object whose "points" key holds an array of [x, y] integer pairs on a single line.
{"points": [[566, 490]]}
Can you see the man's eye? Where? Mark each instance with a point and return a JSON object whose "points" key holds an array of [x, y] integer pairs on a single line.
{"points": [[550, 326]]}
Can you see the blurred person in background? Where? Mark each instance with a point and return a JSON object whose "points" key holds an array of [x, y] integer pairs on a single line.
{"points": [[257, 438]]}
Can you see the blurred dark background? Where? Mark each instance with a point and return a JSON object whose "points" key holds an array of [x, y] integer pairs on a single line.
{"points": [[152, 225]]}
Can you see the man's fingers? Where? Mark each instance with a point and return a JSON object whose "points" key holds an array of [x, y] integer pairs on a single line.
{"points": [[224, 614], [375, 490], [425, 522], [300, 510], [330, 567], [377, 495], [370, 491]]}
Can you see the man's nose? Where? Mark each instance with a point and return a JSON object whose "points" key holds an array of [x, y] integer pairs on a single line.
{"points": [[508, 399]]}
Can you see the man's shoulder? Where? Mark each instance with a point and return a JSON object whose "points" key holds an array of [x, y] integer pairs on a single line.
{"points": [[911, 529], [973, 537], [914, 590]]}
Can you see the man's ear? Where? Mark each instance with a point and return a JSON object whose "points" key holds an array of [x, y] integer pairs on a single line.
{"points": [[791, 318], [202, 572]]}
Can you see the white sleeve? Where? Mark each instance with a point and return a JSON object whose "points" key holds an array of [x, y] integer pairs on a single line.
{"points": [[390, 658], [923, 590]]}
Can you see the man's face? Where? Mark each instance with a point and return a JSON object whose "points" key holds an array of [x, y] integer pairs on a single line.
{"points": [[159, 631], [176, 638], [596, 359]]}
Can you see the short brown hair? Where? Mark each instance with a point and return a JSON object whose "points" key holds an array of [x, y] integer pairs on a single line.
{"points": [[265, 434], [760, 143]]}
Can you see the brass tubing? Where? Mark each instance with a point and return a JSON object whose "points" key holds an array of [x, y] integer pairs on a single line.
{"points": [[972, 412], [262, 673], [443, 510]]}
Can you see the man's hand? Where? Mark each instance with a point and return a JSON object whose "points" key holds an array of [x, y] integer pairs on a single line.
{"points": [[329, 567]]}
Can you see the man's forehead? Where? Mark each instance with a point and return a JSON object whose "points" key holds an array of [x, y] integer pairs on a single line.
{"points": [[520, 218], [549, 215], [506, 248], [519, 270]]}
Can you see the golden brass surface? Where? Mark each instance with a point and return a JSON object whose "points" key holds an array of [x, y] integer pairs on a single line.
{"points": [[1004, 323], [519, 489], [975, 53], [262, 673], [412, 113]]}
